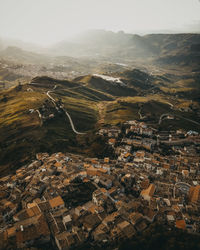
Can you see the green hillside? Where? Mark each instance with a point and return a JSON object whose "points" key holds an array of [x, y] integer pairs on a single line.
{"points": [[92, 102]]}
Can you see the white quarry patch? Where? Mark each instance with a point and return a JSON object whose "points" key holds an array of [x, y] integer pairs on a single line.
{"points": [[111, 79], [121, 64]]}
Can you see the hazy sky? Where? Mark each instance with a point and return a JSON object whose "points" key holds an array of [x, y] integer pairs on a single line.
{"points": [[48, 21]]}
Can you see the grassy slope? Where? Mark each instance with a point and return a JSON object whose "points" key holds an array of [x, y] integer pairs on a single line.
{"points": [[21, 133], [87, 100]]}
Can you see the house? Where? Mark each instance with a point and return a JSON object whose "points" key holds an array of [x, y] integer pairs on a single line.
{"points": [[99, 196], [9, 208], [56, 203], [106, 160], [92, 171], [148, 193], [127, 229], [27, 213], [112, 141], [181, 224], [79, 211], [31, 231], [137, 220], [11, 232], [65, 240], [67, 221], [185, 173], [110, 220], [101, 233], [105, 182], [170, 218], [194, 194], [91, 221], [149, 214]]}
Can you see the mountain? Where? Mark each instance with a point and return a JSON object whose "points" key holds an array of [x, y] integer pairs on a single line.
{"points": [[19, 64], [6, 42], [15, 54], [159, 48]]}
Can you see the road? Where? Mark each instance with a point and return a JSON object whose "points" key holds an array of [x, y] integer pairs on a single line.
{"points": [[163, 115], [170, 104], [161, 118], [197, 123], [40, 116], [76, 87], [53, 100], [71, 122], [67, 114], [139, 113]]}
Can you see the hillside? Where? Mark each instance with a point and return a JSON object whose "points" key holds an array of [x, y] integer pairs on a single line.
{"points": [[23, 130], [33, 116], [157, 48]]}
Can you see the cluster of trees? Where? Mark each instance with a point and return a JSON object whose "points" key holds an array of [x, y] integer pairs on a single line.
{"points": [[158, 237]]}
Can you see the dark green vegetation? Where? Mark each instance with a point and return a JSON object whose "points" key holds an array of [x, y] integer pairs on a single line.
{"points": [[157, 237], [78, 193]]}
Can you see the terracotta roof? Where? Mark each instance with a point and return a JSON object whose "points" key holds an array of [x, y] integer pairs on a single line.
{"points": [[135, 217], [92, 171], [149, 191], [194, 194], [58, 164], [33, 211], [106, 160], [180, 224], [55, 202], [11, 231], [86, 165], [35, 229], [103, 190], [112, 140], [127, 155]]}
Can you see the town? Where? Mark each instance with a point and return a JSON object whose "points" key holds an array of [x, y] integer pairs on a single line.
{"points": [[67, 200]]}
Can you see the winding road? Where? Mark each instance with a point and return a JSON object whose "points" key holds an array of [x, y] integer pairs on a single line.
{"points": [[139, 113], [67, 114], [40, 116], [163, 115], [161, 118], [170, 104]]}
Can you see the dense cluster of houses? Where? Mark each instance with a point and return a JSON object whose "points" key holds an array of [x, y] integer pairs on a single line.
{"points": [[124, 195]]}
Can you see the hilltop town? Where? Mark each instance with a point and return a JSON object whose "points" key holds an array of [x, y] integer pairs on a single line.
{"points": [[66, 201]]}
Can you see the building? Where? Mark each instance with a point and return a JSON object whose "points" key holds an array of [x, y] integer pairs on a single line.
{"points": [[194, 194], [56, 203], [148, 193]]}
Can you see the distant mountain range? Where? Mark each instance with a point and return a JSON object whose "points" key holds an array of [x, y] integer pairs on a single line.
{"points": [[163, 48], [175, 49]]}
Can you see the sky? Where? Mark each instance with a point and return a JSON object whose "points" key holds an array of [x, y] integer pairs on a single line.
{"points": [[46, 22]]}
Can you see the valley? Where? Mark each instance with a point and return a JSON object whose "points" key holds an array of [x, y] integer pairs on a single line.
{"points": [[99, 143]]}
